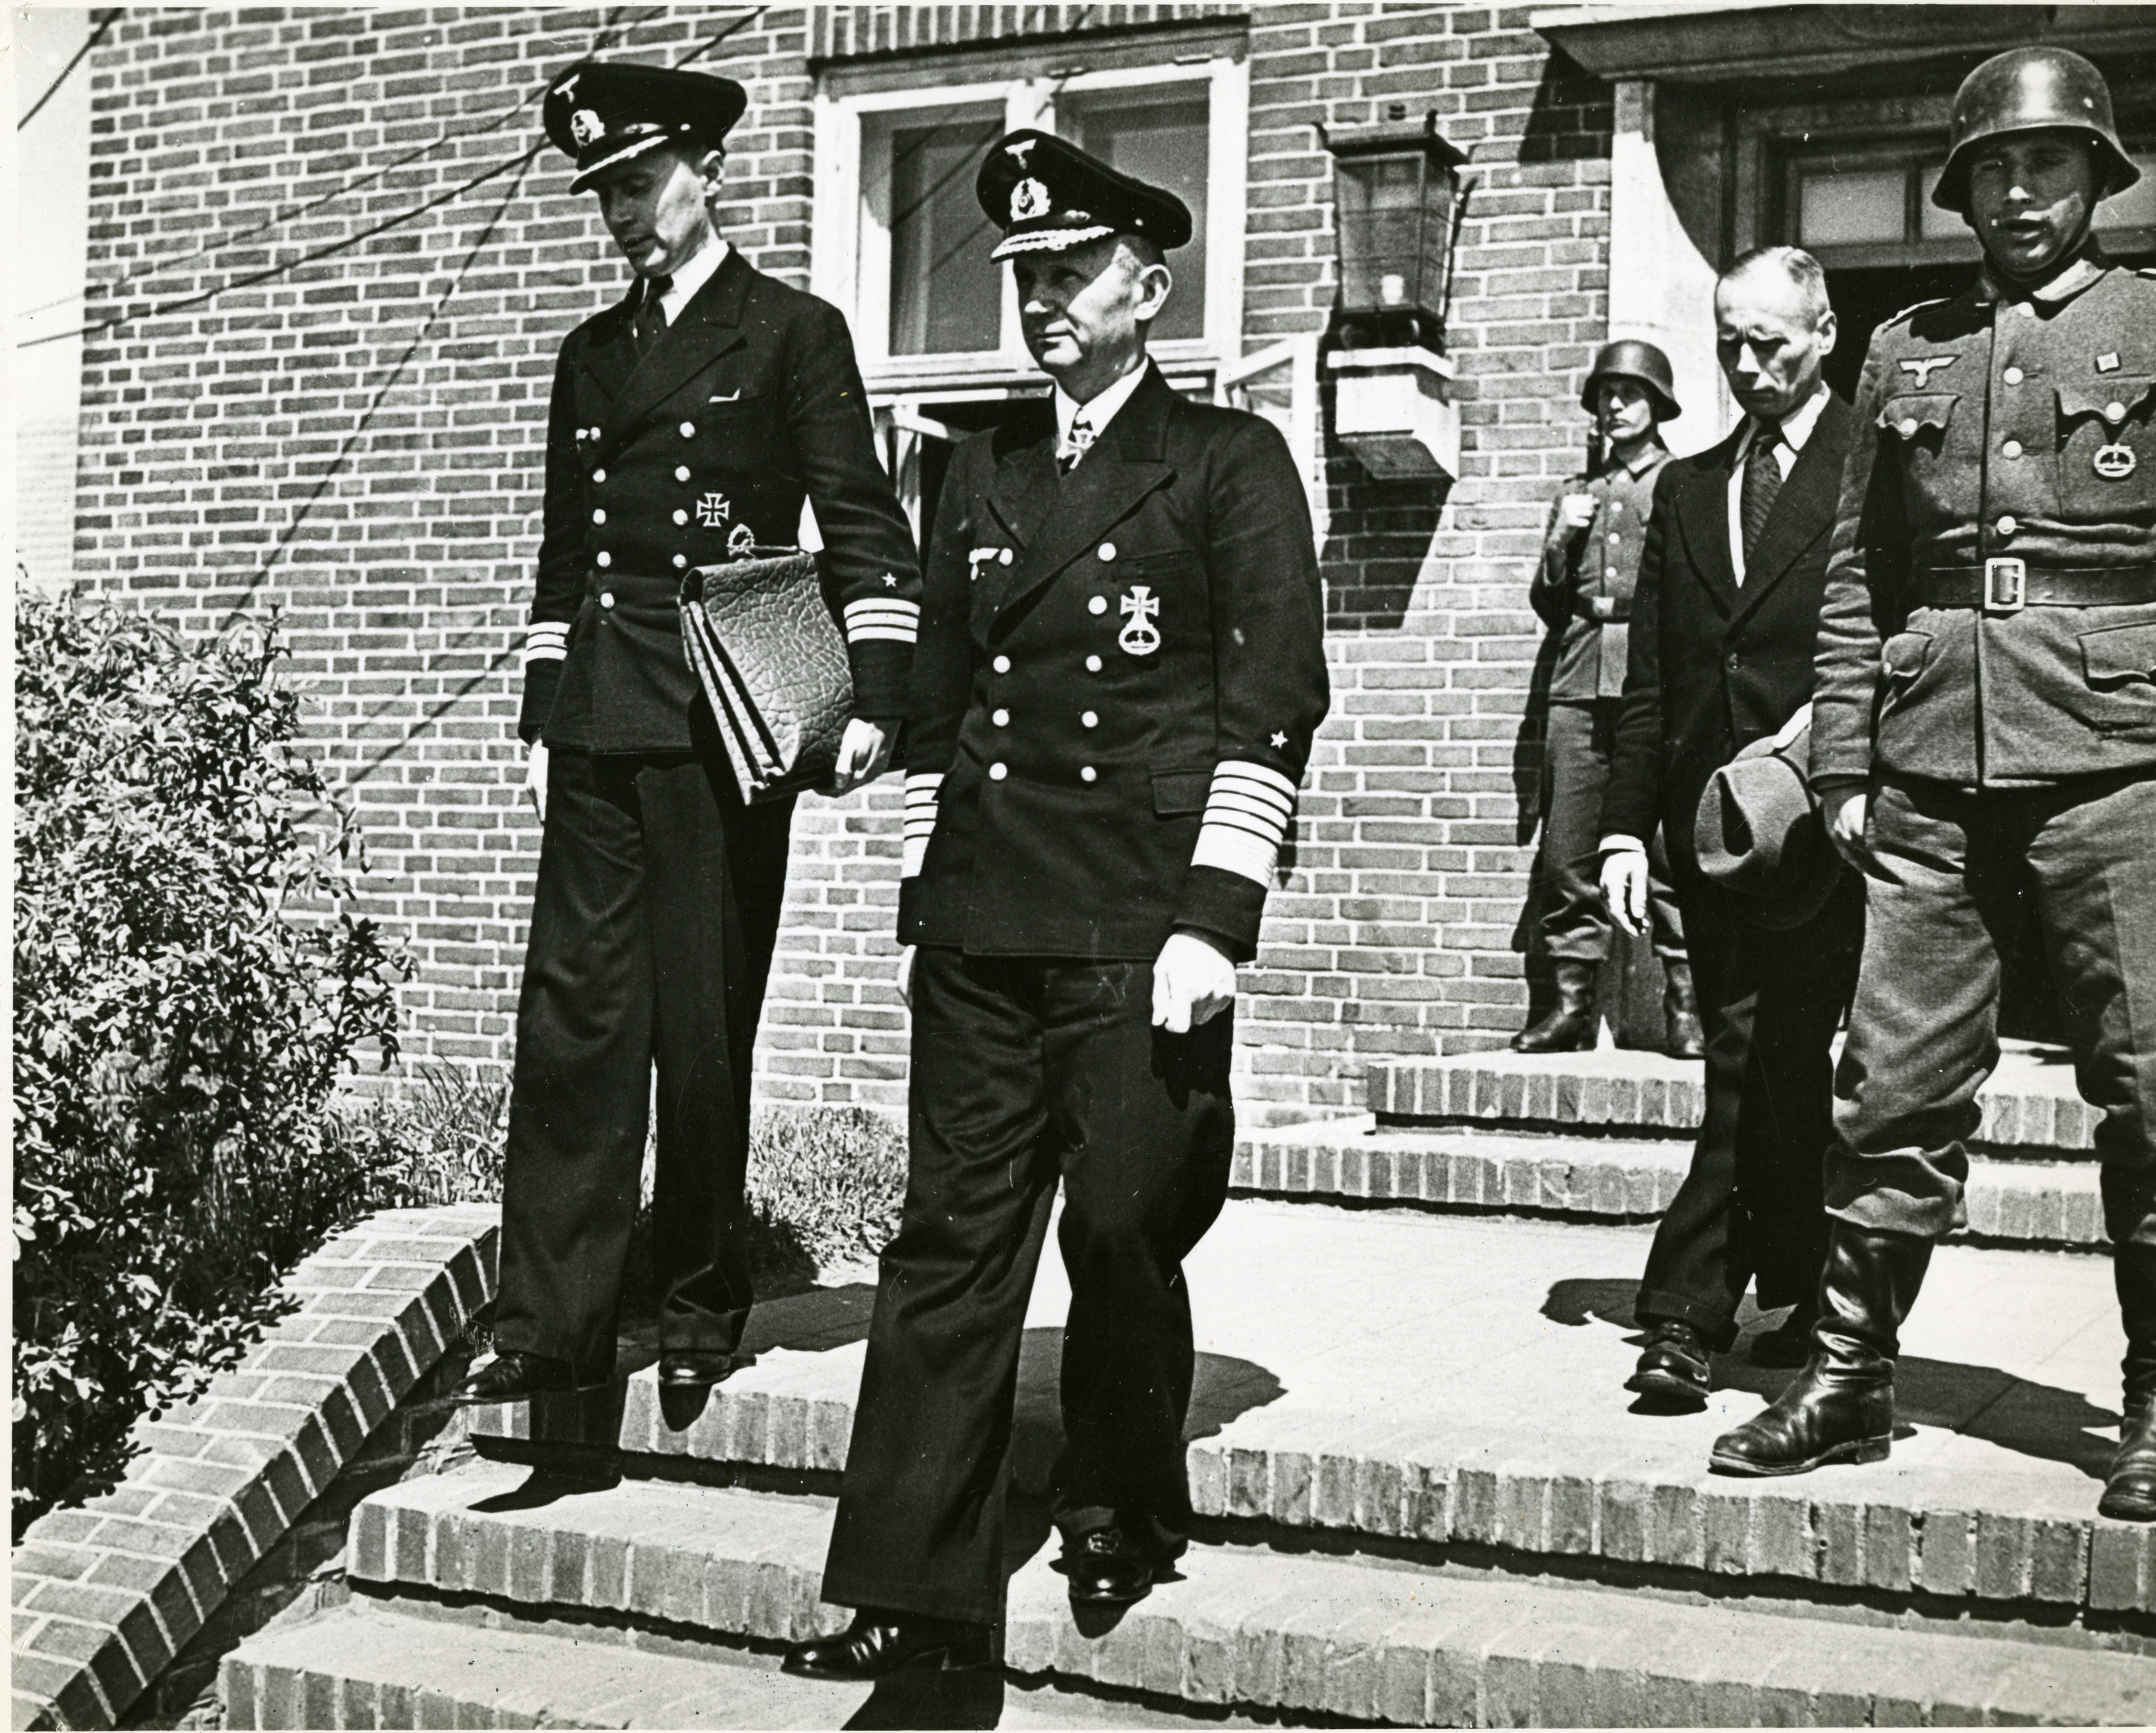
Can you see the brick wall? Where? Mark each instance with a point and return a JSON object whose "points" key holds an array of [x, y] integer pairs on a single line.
{"points": [[355, 441]]}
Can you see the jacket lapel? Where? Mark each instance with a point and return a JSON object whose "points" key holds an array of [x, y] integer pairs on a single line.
{"points": [[611, 358], [1127, 463], [708, 327], [1703, 512], [1804, 510]]}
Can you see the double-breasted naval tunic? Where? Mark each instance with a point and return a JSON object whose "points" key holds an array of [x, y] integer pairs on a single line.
{"points": [[1119, 676], [656, 912], [749, 403], [1987, 658], [1120, 672]]}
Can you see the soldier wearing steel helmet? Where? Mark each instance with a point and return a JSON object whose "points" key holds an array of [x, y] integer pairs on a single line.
{"points": [[1985, 722], [1583, 591]]}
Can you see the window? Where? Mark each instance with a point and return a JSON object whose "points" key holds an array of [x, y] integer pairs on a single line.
{"points": [[1874, 206], [945, 295], [901, 244]]}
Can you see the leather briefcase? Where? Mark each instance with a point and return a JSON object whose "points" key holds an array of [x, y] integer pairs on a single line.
{"points": [[773, 664]]}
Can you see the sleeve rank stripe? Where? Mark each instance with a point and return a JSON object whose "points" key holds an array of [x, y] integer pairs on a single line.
{"points": [[1235, 852], [883, 608], [892, 619], [1247, 813], [921, 792]]}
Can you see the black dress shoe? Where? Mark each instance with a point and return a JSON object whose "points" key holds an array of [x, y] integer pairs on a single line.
{"points": [[879, 1643], [1673, 1366], [698, 1369], [514, 1376], [1105, 1566]]}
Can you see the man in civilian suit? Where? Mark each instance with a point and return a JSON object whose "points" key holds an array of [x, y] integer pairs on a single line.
{"points": [[1122, 668], [687, 422], [1724, 623]]}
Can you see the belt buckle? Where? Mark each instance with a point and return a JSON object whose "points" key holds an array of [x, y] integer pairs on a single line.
{"points": [[2005, 585]]}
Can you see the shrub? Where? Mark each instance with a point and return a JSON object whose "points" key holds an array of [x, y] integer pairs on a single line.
{"points": [[190, 982], [833, 1179]]}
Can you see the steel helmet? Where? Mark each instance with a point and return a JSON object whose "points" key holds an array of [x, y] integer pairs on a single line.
{"points": [[1629, 358], [2032, 89]]}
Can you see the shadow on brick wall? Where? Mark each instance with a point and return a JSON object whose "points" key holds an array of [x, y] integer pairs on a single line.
{"points": [[1377, 544], [1573, 116]]}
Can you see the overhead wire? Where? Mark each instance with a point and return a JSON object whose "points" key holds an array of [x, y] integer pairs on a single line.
{"points": [[336, 464], [223, 243], [96, 36], [249, 279]]}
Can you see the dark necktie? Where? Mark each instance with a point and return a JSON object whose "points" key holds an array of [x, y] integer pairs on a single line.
{"points": [[1762, 481], [650, 324]]}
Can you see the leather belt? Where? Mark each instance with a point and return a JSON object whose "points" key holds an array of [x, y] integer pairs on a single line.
{"points": [[2007, 586], [1601, 610]]}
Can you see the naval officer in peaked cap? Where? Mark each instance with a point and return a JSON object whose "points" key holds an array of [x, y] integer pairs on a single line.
{"points": [[1121, 667], [688, 424]]}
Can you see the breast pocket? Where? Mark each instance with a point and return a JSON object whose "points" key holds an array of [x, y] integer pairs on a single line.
{"points": [[2105, 449], [1919, 424]]}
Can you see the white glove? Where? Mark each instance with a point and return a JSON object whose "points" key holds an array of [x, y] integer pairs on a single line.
{"points": [[1625, 888], [535, 778], [1192, 982], [906, 973]]}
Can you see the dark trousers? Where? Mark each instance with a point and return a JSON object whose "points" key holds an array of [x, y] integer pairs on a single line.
{"points": [[1027, 1071], [1752, 1207], [1958, 870], [1575, 921], [652, 932]]}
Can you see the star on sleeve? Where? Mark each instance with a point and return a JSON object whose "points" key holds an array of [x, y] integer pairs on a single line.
{"points": [[1279, 742]]}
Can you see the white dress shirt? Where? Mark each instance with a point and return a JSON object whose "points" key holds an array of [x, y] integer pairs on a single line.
{"points": [[1796, 429], [691, 277], [1101, 410]]}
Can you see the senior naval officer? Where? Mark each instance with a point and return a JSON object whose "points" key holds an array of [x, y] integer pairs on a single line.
{"points": [[1121, 665], [1985, 722], [687, 422]]}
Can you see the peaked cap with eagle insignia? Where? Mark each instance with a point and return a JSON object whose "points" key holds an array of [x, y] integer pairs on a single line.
{"points": [[602, 112], [1048, 196]]}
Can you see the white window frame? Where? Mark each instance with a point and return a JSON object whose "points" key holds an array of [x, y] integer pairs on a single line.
{"points": [[849, 254]]}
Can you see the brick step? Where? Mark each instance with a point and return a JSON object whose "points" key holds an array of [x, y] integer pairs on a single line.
{"points": [[378, 1663], [2029, 1202], [1251, 1627], [1455, 1382], [2030, 1103]]}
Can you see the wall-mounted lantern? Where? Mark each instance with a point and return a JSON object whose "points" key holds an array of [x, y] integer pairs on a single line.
{"points": [[1396, 201]]}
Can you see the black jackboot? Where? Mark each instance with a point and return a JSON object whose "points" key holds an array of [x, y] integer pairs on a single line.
{"points": [[1681, 1013], [1841, 1409], [1570, 1025], [2130, 1494]]}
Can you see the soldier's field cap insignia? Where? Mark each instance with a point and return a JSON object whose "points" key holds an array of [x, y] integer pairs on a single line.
{"points": [[1048, 196], [602, 112]]}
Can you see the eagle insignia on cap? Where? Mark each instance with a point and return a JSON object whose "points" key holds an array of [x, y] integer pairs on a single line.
{"points": [[586, 127], [1029, 200]]}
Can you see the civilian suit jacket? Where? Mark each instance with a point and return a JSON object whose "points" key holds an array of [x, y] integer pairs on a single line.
{"points": [[1119, 673], [1713, 665], [749, 402]]}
